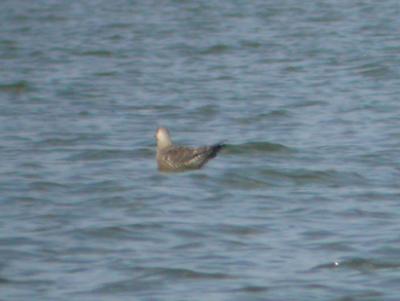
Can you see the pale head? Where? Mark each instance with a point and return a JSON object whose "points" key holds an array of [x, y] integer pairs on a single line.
{"points": [[163, 138]]}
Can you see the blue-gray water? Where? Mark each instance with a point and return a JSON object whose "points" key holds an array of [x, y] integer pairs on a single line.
{"points": [[304, 204]]}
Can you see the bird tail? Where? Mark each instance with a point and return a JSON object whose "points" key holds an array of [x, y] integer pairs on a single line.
{"points": [[216, 148]]}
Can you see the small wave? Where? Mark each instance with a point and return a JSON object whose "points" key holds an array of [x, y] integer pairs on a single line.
{"points": [[107, 186], [374, 70], [308, 103], [256, 147], [46, 185], [251, 44], [60, 141], [98, 53], [105, 74], [11, 44], [236, 180], [359, 264], [252, 289], [101, 154], [368, 264], [145, 152], [4, 280], [15, 88], [273, 115], [112, 232], [68, 140], [207, 109], [120, 25], [151, 109], [180, 273], [149, 278], [240, 230], [262, 176], [216, 49], [310, 176]]}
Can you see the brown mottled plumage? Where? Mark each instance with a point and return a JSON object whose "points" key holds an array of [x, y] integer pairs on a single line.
{"points": [[179, 158]]}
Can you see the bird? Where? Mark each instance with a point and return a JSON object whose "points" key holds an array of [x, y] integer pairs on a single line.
{"points": [[172, 157]]}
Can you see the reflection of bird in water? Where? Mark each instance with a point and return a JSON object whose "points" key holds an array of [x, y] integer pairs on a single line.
{"points": [[179, 158]]}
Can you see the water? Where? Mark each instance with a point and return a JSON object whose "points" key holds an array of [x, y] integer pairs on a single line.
{"points": [[302, 205]]}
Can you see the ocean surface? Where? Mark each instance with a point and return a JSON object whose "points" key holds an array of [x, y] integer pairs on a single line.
{"points": [[303, 204]]}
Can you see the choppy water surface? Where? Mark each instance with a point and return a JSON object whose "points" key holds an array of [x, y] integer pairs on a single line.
{"points": [[302, 205]]}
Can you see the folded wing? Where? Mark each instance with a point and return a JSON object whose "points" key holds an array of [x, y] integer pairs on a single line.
{"points": [[179, 157]]}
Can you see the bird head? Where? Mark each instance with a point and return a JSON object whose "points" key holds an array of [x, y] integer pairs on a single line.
{"points": [[163, 138]]}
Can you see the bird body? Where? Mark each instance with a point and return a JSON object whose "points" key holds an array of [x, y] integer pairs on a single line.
{"points": [[171, 157]]}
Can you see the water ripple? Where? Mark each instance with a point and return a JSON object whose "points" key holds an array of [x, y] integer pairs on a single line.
{"points": [[257, 148], [100, 154], [360, 264], [184, 274], [17, 87]]}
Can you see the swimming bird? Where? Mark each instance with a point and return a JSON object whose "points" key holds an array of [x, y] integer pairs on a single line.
{"points": [[172, 157]]}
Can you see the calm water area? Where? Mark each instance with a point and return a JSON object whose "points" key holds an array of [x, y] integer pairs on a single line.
{"points": [[303, 204]]}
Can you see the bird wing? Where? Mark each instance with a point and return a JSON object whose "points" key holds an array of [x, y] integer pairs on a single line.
{"points": [[187, 157]]}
